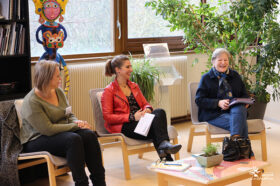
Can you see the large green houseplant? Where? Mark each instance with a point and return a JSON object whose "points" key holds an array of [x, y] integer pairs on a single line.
{"points": [[145, 74], [244, 27]]}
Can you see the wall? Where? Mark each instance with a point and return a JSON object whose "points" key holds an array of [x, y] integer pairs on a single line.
{"points": [[271, 112]]}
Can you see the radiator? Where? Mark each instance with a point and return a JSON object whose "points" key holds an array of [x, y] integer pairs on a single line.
{"points": [[84, 77]]}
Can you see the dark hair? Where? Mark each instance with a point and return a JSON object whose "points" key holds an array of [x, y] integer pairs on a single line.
{"points": [[44, 71], [111, 64]]}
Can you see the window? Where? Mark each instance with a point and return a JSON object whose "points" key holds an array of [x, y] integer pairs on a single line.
{"points": [[89, 26], [143, 23]]}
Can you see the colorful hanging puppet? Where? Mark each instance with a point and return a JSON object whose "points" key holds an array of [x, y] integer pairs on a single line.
{"points": [[53, 33]]}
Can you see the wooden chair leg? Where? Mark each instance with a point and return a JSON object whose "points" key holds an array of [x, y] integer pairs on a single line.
{"points": [[140, 155], [125, 160], [102, 157], [263, 144], [51, 172], [177, 155], [208, 135], [190, 141]]}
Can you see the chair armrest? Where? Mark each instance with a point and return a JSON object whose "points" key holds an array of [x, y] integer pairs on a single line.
{"points": [[56, 160]]}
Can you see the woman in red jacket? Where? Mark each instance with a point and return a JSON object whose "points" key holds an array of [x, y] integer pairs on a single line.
{"points": [[123, 104]]}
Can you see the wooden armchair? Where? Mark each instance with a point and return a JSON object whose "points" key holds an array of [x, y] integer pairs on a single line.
{"points": [[107, 139], [56, 165], [256, 127]]}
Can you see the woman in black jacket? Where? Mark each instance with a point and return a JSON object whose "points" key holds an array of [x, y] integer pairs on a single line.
{"points": [[216, 88]]}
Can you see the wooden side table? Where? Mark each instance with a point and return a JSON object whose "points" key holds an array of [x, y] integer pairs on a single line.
{"points": [[223, 174]]}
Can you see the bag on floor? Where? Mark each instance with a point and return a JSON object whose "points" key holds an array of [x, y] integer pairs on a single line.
{"points": [[236, 148]]}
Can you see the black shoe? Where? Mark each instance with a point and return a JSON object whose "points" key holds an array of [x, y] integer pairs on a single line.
{"points": [[169, 158], [161, 154], [98, 180], [164, 156], [168, 148]]}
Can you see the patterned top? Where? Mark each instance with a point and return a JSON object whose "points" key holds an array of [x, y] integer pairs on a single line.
{"points": [[133, 107]]}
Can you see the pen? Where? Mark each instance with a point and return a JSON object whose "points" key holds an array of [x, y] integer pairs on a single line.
{"points": [[173, 164]]}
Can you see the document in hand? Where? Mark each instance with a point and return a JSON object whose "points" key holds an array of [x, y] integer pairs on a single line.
{"points": [[144, 124], [234, 101]]}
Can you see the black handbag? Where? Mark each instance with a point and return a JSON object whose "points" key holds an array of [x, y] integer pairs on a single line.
{"points": [[236, 148]]}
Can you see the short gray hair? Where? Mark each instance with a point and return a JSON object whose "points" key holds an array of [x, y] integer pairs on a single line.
{"points": [[218, 51], [44, 71]]}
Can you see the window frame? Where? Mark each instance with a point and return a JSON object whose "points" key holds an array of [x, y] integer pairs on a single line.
{"points": [[135, 45]]}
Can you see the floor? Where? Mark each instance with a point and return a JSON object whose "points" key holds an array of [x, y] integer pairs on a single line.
{"points": [[140, 175]]}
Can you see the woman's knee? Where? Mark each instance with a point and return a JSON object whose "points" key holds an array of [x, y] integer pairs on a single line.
{"points": [[159, 112], [73, 139], [87, 134]]}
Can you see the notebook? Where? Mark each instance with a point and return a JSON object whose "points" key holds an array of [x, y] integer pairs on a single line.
{"points": [[234, 101], [144, 124]]}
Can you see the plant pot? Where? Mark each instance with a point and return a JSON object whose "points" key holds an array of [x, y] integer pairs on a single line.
{"points": [[257, 110], [209, 161]]}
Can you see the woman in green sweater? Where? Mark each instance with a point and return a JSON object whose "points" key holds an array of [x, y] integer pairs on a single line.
{"points": [[48, 124]]}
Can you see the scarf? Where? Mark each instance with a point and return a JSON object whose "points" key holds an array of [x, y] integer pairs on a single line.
{"points": [[224, 90]]}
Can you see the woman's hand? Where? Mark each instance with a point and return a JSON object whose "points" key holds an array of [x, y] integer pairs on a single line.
{"points": [[147, 110], [224, 104], [83, 124], [138, 114]]}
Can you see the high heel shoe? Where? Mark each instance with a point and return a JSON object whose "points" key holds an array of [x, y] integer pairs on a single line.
{"points": [[168, 148], [161, 154], [165, 157]]}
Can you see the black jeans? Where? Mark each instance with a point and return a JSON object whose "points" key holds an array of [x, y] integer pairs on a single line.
{"points": [[78, 148], [158, 131]]}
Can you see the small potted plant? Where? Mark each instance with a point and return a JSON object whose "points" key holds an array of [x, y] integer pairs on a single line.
{"points": [[210, 157]]}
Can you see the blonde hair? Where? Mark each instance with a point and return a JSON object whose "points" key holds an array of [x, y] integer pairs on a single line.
{"points": [[44, 72], [218, 51]]}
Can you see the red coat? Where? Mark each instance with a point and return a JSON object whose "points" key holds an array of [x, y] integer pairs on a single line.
{"points": [[115, 106]]}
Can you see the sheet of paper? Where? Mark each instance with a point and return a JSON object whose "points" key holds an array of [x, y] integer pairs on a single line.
{"points": [[144, 124]]}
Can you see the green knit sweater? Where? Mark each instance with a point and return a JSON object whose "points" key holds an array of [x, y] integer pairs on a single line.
{"points": [[42, 118]]}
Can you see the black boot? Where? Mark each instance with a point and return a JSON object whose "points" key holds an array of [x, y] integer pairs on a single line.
{"points": [[168, 148], [161, 154], [98, 180], [169, 157]]}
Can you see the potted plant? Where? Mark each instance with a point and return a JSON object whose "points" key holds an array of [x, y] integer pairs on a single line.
{"points": [[210, 157], [145, 74], [247, 28]]}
